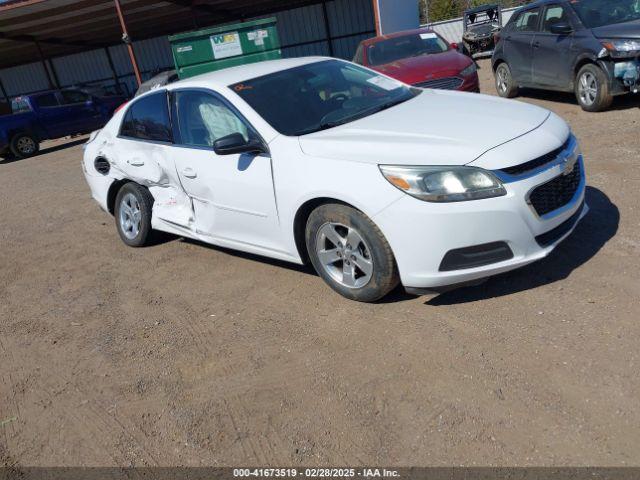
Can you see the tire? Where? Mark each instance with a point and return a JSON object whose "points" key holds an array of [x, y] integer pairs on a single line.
{"points": [[132, 212], [505, 85], [330, 232], [24, 145], [592, 89]]}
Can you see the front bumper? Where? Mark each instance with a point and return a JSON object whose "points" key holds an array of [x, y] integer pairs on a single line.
{"points": [[471, 83], [624, 75], [421, 233]]}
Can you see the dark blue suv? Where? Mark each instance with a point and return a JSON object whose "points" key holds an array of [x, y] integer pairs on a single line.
{"points": [[590, 47]]}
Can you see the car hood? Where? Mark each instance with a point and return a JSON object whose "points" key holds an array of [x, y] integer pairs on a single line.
{"points": [[618, 30], [415, 69], [434, 128]]}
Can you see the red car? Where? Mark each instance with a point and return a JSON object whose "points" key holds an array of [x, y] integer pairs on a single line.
{"points": [[421, 58]]}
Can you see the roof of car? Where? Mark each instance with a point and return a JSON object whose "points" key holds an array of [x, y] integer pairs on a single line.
{"points": [[539, 3], [481, 8], [233, 75], [372, 40]]}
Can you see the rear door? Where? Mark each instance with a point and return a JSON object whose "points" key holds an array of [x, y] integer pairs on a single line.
{"points": [[518, 45], [552, 53], [233, 195], [54, 118]]}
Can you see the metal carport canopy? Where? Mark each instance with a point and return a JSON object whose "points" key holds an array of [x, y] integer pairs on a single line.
{"points": [[34, 30]]}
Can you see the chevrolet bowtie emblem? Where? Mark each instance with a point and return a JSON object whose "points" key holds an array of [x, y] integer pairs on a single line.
{"points": [[569, 165]]}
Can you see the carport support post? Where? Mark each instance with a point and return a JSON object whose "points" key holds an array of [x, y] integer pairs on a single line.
{"points": [[111, 66], [127, 41], [327, 27], [4, 92], [43, 60]]}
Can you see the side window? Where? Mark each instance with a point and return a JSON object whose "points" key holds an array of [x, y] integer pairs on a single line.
{"points": [[20, 105], [74, 96], [553, 14], [47, 100], [148, 119], [528, 21], [203, 118]]}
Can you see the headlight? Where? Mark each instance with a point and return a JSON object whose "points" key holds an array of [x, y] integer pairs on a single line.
{"points": [[444, 184], [621, 47], [469, 70]]}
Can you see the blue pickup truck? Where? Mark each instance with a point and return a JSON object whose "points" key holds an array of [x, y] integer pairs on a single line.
{"points": [[52, 114]]}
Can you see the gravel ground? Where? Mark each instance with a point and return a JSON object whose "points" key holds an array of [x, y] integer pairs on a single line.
{"points": [[184, 354]]}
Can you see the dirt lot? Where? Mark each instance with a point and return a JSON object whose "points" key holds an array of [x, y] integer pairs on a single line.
{"points": [[183, 354]]}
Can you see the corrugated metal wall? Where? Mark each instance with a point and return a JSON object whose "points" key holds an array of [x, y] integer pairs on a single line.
{"points": [[303, 32], [452, 30]]}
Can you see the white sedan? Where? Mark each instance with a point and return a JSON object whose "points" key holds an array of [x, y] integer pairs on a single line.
{"points": [[317, 159]]}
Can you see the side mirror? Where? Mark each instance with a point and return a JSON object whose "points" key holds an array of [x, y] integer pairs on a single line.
{"points": [[455, 46], [561, 28], [235, 143]]}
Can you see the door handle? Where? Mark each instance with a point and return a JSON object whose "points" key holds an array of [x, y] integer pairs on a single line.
{"points": [[189, 173], [135, 162], [536, 45]]}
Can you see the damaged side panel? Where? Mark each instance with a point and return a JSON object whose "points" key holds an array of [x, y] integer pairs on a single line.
{"points": [[149, 164]]}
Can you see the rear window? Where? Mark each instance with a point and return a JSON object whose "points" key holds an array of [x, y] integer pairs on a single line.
{"points": [[74, 96], [47, 100], [20, 105], [148, 119]]}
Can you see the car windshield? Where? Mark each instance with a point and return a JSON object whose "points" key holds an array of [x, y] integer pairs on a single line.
{"points": [[597, 13], [414, 45], [320, 95]]}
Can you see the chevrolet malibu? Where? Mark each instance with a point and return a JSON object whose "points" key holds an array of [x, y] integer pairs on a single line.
{"points": [[374, 182]]}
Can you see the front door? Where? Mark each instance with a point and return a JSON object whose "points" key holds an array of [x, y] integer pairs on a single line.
{"points": [[518, 46], [552, 55], [233, 196]]}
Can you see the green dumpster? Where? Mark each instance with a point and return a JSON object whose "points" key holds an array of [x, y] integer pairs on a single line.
{"points": [[226, 46]]}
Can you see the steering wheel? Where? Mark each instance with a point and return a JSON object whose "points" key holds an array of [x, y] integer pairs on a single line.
{"points": [[341, 97]]}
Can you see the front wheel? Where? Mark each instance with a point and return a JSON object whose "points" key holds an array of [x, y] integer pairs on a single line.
{"points": [[592, 89], [24, 145], [350, 253], [134, 205], [505, 85]]}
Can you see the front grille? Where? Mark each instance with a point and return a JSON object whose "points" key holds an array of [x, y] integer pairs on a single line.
{"points": [[449, 83], [537, 162], [556, 193], [552, 236]]}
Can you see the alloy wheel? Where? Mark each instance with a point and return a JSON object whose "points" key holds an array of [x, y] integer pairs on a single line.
{"points": [[344, 255], [130, 216], [588, 88], [503, 82]]}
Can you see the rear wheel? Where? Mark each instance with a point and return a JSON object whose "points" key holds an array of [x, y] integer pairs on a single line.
{"points": [[134, 205], [505, 85], [350, 253], [24, 145], [592, 89]]}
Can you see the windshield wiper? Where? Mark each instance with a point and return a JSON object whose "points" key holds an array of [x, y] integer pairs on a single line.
{"points": [[363, 113]]}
